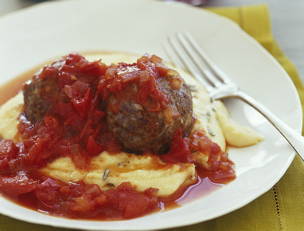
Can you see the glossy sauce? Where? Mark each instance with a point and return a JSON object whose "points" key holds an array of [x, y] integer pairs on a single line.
{"points": [[89, 199]]}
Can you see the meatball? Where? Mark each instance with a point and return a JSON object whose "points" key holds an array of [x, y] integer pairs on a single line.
{"points": [[39, 94], [63, 81], [140, 130]]}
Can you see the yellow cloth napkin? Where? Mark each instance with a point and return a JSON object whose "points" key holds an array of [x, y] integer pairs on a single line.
{"points": [[281, 208]]}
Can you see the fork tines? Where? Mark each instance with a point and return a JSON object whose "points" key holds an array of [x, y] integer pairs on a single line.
{"points": [[185, 53]]}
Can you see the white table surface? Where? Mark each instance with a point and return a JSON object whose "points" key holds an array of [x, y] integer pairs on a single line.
{"points": [[287, 20]]}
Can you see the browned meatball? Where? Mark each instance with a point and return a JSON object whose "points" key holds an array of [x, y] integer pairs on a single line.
{"points": [[63, 81], [39, 94], [140, 130]]}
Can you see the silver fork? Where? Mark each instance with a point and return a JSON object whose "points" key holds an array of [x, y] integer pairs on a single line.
{"points": [[184, 52]]}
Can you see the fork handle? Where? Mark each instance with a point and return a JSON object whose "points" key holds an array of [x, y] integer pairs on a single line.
{"points": [[295, 139]]}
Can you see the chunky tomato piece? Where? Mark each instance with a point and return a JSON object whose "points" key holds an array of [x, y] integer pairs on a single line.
{"points": [[180, 151], [8, 149], [130, 202], [220, 168], [48, 193], [17, 185], [93, 147]]}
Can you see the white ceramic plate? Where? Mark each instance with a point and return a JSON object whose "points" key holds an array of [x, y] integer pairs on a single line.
{"points": [[33, 35]]}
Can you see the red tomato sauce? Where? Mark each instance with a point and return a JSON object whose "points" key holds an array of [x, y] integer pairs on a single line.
{"points": [[75, 126]]}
